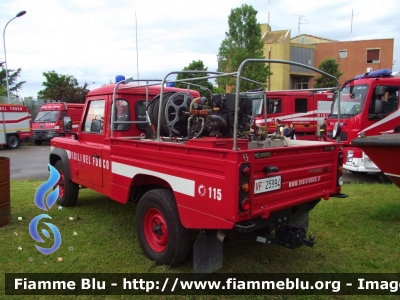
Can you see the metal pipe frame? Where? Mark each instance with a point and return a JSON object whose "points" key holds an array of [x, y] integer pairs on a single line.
{"points": [[239, 72]]}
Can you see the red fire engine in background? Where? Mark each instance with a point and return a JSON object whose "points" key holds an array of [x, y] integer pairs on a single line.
{"points": [[369, 105], [305, 109], [49, 120], [15, 125]]}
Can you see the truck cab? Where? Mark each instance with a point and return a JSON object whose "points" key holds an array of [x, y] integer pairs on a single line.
{"points": [[49, 120], [369, 105]]}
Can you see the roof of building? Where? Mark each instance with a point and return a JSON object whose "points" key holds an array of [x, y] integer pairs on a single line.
{"points": [[278, 36], [312, 36]]}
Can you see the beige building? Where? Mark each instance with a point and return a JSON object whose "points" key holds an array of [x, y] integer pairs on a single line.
{"points": [[353, 57]]}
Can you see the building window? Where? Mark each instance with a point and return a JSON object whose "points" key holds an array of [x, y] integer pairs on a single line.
{"points": [[342, 53], [301, 83], [373, 56], [302, 40]]}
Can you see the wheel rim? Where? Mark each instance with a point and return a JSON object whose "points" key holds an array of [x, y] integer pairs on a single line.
{"points": [[13, 142], [61, 187], [155, 230]]}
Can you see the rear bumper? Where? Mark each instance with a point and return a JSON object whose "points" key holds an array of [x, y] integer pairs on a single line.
{"points": [[357, 165]]}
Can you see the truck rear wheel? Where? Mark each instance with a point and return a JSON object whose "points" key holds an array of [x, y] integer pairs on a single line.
{"points": [[161, 235], [13, 142], [68, 190]]}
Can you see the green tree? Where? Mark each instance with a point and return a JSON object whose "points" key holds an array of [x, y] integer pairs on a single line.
{"points": [[13, 84], [196, 66], [58, 86], [243, 41], [328, 65]]}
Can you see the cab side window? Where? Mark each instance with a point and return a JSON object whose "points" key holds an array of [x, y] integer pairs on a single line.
{"points": [[274, 105], [94, 117], [300, 105], [121, 114], [390, 102], [141, 114]]}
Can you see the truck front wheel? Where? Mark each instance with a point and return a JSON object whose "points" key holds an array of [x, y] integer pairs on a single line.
{"points": [[68, 190], [161, 235]]}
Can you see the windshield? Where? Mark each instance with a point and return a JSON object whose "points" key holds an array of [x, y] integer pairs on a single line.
{"points": [[257, 106], [47, 116], [352, 99]]}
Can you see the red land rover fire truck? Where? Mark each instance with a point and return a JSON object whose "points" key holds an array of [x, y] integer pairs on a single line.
{"points": [[49, 120], [369, 105], [15, 124], [305, 109], [195, 163]]}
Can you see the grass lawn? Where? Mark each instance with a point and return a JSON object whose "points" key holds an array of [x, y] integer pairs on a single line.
{"points": [[359, 234]]}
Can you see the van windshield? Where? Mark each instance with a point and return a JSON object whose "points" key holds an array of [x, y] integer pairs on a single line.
{"points": [[352, 99], [47, 116]]}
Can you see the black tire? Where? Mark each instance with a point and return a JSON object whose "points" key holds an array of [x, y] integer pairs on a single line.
{"points": [[161, 235], [38, 142], [383, 178], [13, 142], [68, 190]]}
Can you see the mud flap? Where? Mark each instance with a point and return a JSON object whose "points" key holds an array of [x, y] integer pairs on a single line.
{"points": [[300, 221], [207, 253]]}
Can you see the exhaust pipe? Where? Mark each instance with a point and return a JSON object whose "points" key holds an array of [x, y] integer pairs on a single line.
{"points": [[222, 237]]}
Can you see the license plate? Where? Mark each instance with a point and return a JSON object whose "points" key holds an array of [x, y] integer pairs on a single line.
{"points": [[267, 184]]}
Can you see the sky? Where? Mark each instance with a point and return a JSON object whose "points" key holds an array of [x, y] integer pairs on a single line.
{"points": [[96, 40]]}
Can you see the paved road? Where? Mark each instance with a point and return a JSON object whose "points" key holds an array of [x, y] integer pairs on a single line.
{"points": [[30, 161]]}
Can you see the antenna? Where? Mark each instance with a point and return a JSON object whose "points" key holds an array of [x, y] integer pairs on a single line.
{"points": [[137, 52], [298, 28], [269, 8], [351, 27]]}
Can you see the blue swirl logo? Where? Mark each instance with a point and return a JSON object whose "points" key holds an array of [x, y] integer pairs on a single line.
{"points": [[40, 203]]}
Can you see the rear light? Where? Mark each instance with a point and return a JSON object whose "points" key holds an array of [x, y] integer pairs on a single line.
{"points": [[245, 204], [246, 171], [245, 187], [339, 174]]}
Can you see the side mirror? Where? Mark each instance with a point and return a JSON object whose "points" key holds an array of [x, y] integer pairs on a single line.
{"points": [[337, 129], [380, 90], [67, 124], [379, 106], [67, 127]]}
